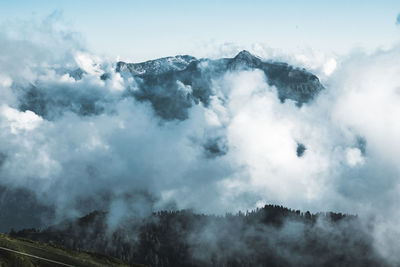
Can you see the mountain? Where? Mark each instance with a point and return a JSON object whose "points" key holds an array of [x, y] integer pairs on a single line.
{"points": [[270, 236], [172, 85], [158, 80]]}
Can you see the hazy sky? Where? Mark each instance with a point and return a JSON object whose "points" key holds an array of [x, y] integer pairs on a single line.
{"points": [[147, 29]]}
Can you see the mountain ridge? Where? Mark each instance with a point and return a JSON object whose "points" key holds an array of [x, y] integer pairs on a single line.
{"points": [[292, 83], [172, 85], [268, 236]]}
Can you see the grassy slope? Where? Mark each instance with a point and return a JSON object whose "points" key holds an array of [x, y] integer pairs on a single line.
{"points": [[49, 252]]}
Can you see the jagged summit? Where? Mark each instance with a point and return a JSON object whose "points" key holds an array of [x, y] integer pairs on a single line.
{"points": [[156, 66], [246, 57], [244, 53]]}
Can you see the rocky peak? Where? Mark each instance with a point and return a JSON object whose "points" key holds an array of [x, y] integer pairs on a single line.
{"points": [[246, 59]]}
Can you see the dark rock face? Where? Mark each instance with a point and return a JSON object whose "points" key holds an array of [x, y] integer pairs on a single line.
{"points": [[362, 145], [54, 102], [300, 150], [77, 74], [215, 147]]}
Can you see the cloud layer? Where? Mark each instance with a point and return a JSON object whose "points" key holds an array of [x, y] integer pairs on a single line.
{"points": [[94, 146]]}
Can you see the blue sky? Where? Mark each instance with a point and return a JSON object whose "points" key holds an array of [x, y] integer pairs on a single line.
{"points": [[138, 30]]}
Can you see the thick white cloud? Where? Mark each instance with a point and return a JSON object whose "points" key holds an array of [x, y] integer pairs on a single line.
{"points": [[88, 63], [354, 157], [19, 121]]}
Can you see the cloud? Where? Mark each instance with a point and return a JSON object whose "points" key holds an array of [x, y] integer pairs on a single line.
{"points": [[354, 157], [20, 120], [84, 144]]}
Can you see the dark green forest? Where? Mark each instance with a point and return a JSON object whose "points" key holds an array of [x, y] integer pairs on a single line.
{"points": [[269, 236]]}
